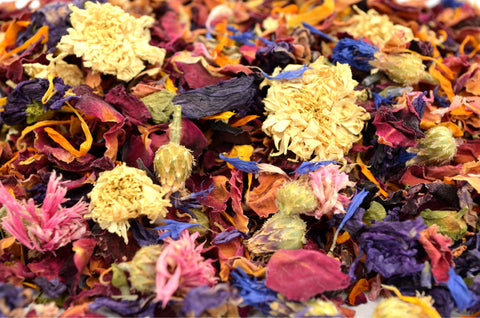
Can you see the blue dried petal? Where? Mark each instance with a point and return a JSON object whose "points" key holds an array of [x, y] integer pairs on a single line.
{"points": [[201, 298], [451, 3], [288, 74], [419, 105], [357, 54], [254, 293], [227, 236], [464, 298], [245, 37], [173, 228], [352, 208], [307, 166], [312, 29], [243, 165], [380, 100]]}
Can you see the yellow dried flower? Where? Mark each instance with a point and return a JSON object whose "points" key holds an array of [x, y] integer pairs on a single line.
{"points": [[394, 307], [122, 194], [315, 114], [376, 27], [110, 41], [70, 73]]}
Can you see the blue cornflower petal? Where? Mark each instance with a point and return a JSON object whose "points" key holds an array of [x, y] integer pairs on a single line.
{"points": [[288, 74], [464, 298], [173, 228], [245, 37], [312, 29], [451, 3], [307, 166], [380, 100], [254, 293], [352, 208], [357, 54], [244, 165]]}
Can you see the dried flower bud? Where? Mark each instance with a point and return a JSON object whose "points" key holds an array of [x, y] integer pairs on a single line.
{"points": [[281, 231], [438, 147], [296, 197], [173, 162], [143, 268]]}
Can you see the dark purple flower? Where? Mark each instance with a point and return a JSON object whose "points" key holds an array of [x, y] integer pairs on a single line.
{"points": [[391, 248], [443, 300], [24, 103], [53, 288], [126, 308], [228, 235], [434, 196], [143, 236], [13, 297], [278, 54], [201, 298], [239, 93]]}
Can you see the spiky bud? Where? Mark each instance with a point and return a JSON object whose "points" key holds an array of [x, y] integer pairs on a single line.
{"points": [[173, 162], [296, 197], [437, 148], [143, 268], [281, 231]]}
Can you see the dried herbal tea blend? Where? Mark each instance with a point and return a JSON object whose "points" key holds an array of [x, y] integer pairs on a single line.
{"points": [[219, 158]]}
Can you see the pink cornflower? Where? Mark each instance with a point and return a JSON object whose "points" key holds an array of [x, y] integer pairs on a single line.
{"points": [[326, 182], [181, 267], [48, 227]]}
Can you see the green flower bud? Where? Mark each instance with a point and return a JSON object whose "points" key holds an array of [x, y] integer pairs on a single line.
{"points": [[173, 162], [438, 147], [450, 223], [143, 268], [281, 231], [296, 197]]}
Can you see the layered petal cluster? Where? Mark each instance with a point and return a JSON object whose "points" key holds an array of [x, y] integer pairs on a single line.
{"points": [[327, 182], [110, 41], [122, 194], [314, 115], [48, 227], [181, 267]]}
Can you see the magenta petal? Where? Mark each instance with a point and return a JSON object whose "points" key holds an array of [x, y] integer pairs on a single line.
{"points": [[302, 274]]}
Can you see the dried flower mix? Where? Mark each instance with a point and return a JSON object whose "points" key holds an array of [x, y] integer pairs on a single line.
{"points": [[199, 158]]}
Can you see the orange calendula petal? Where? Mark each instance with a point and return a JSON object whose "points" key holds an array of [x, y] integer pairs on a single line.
{"points": [[371, 177], [244, 120], [445, 84], [361, 286], [11, 34], [313, 16], [342, 238], [50, 91], [224, 115], [42, 32]]}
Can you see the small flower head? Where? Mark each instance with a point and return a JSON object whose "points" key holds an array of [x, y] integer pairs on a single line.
{"points": [[376, 27], [143, 268], [327, 182], [110, 41], [314, 115], [122, 194], [437, 148], [48, 227], [395, 307], [181, 267], [296, 197], [281, 231]]}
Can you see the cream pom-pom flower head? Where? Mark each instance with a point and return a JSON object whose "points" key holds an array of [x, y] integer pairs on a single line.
{"points": [[122, 194], [110, 41], [314, 115]]}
